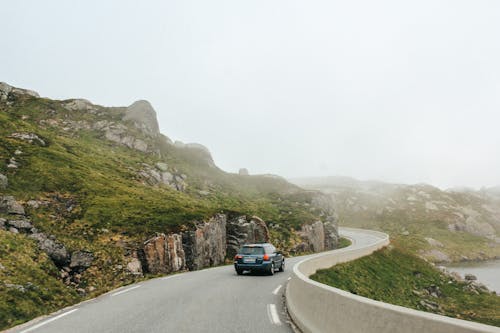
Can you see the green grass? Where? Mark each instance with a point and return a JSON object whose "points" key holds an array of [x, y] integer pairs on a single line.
{"points": [[395, 275], [41, 292], [344, 242]]}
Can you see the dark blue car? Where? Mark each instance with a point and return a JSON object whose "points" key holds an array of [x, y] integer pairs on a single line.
{"points": [[259, 257]]}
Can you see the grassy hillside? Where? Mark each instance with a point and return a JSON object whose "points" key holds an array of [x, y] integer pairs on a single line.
{"points": [[96, 194], [395, 275], [441, 226]]}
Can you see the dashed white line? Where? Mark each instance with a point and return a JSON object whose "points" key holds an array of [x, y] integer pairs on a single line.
{"points": [[277, 290], [126, 290], [48, 321], [273, 314]]}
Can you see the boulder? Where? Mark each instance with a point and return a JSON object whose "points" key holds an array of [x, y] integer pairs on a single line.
{"points": [[2, 223], [134, 266], [242, 230], [9, 205], [28, 137], [164, 254], [243, 172], [206, 245], [143, 116], [4, 182], [162, 166], [21, 225], [55, 250], [81, 260], [13, 164]]}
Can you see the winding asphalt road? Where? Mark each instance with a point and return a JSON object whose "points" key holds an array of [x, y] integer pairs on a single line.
{"points": [[210, 300]]}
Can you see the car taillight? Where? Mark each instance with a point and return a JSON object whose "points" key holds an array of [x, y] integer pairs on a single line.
{"points": [[266, 257], [237, 257]]}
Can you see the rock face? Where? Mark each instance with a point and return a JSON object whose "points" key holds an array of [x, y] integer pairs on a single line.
{"points": [[314, 234], [241, 230], [142, 114], [206, 246], [119, 133], [164, 254], [320, 236], [9, 205]]}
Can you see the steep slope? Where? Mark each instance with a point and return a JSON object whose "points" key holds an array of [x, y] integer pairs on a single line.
{"points": [[452, 225], [95, 197]]}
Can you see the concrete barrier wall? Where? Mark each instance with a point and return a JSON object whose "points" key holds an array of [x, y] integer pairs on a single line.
{"points": [[316, 307]]}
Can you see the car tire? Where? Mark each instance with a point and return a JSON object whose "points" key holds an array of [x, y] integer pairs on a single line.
{"points": [[239, 271], [282, 267], [271, 269]]}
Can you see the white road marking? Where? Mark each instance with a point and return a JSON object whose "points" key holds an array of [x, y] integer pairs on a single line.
{"points": [[48, 321], [289, 278], [276, 291], [126, 290], [273, 314], [169, 277]]}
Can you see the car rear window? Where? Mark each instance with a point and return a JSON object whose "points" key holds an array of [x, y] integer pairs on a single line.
{"points": [[251, 250]]}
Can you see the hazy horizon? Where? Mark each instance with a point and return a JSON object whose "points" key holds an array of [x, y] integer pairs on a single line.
{"points": [[389, 91]]}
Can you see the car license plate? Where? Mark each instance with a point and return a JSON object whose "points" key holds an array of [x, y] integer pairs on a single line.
{"points": [[249, 260]]}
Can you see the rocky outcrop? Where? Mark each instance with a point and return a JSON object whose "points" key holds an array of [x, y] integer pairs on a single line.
{"points": [[80, 105], [206, 245], [164, 254], [6, 90], [143, 116], [28, 137], [314, 236], [55, 250], [120, 134], [331, 235], [159, 175], [8, 205], [242, 230], [318, 236]]}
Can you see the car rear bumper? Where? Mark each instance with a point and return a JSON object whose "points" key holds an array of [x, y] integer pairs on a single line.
{"points": [[253, 267]]}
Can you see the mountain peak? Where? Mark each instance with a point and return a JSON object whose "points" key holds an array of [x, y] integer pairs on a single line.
{"points": [[142, 114]]}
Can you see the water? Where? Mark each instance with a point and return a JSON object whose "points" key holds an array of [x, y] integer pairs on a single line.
{"points": [[487, 272]]}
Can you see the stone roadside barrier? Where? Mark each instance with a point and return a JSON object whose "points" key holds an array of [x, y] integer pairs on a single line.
{"points": [[316, 307]]}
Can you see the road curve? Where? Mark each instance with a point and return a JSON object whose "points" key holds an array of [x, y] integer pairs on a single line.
{"points": [[209, 300]]}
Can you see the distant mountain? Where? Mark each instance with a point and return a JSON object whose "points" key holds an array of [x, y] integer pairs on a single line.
{"points": [[452, 225]]}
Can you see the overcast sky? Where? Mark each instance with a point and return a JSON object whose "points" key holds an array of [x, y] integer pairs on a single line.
{"points": [[400, 91]]}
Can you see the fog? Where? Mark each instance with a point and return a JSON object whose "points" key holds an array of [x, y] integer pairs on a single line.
{"points": [[396, 91]]}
